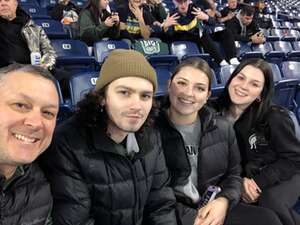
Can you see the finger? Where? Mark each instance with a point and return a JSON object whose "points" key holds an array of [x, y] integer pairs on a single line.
{"points": [[255, 184]]}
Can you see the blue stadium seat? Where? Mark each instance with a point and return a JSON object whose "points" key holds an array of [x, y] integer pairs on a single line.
{"points": [[72, 54], [53, 28], [164, 67], [188, 49], [184, 48], [80, 84], [64, 109], [286, 34], [49, 4], [28, 2], [103, 48], [286, 88], [36, 12], [262, 49]]}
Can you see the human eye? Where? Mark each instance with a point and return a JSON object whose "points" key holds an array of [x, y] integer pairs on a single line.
{"points": [[200, 88], [49, 114], [20, 106], [124, 92], [181, 83], [255, 85], [240, 77], [146, 96]]}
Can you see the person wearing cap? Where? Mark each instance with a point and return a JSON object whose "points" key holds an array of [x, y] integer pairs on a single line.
{"points": [[106, 164]]}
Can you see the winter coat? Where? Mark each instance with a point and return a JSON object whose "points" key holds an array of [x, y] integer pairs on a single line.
{"points": [[26, 198], [94, 182], [218, 157], [270, 150], [91, 32]]}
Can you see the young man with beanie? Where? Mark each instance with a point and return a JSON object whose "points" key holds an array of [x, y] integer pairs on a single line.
{"points": [[106, 164]]}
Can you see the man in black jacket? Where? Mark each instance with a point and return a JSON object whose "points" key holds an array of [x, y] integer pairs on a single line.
{"points": [[28, 109], [244, 28], [105, 166]]}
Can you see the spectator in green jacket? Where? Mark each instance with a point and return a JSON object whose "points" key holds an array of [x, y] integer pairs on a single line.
{"points": [[96, 23]]}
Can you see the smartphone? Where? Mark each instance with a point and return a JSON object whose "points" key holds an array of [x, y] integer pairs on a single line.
{"points": [[209, 195]]}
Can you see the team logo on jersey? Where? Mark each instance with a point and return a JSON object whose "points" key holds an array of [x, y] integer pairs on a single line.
{"points": [[252, 141]]}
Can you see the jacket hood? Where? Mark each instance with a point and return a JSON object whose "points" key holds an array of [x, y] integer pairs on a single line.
{"points": [[22, 16]]}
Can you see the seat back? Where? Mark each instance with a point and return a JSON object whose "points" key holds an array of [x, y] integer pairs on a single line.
{"points": [[103, 48], [184, 48], [53, 28], [80, 84]]}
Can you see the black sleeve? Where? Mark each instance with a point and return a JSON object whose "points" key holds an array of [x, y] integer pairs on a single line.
{"points": [[284, 142], [57, 12], [71, 198], [123, 14], [148, 18], [234, 27], [160, 207], [231, 184]]}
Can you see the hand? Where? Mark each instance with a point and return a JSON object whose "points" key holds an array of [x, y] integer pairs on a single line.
{"points": [[136, 10], [199, 14], [231, 15], [170, 21], [258, 38], [213, 213], [250, 191], [115, 18], [109, 21]]}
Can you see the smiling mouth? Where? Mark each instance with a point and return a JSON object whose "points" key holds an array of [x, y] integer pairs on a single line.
{"points": [[240, 94], [25, 139], [185, 101]]}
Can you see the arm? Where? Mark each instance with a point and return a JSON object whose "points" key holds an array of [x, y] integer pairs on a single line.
{"points": [[47, 51], [160, 206], [231, 183], [139, 14], [286, 145], [71, 197]]}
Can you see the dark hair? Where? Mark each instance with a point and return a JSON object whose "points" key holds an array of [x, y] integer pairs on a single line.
{"points": [[247, 10], [261, 107], [90, 113], [196, 63], [96, 12], [35, 70]]}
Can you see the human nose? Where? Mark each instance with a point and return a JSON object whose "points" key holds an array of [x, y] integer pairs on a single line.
{"points": [[34, 119]]}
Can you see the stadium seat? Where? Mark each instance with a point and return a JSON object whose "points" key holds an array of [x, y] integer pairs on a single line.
{"points": [[152, 46], [53, 28], [49, 4], [36, 12], [262, 49], [286, 88], [28, 2], [73, 54], [184, 48], [64, 109], [103, 48], [80, 84], [188, 49]]}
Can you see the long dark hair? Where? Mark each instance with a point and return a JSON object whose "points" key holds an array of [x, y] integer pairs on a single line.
{"points": [[96, 12], [260, 107]]}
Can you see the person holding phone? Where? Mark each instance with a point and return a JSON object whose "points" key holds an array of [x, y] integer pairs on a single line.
{"points": [[96, 23], [201, 150], [244, 28]]}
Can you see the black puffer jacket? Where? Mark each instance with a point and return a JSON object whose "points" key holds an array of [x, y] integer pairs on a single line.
{"points": [[94, 183], [27, 199], [270, 150], [218, 158]]}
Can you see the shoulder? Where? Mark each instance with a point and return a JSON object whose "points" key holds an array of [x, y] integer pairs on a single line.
{"points": [[277, 114]]}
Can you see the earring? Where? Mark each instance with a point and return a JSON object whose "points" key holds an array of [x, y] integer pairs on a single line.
{"points": [[258, 100], [101, 108]]}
